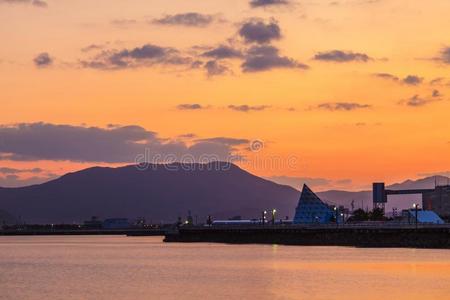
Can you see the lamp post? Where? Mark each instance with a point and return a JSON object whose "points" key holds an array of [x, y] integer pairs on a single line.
{"points": [[343, 220], [263, 219], [336, 216], [416, 207], [273, 216]]}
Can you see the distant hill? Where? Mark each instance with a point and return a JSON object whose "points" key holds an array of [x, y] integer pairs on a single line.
{"points": [[158, 194], [364, 198]]}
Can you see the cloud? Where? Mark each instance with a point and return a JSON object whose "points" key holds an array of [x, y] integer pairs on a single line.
{"points": [[417, 101], [6, 170], [36, 3], [248, 108], [435, 94], [118, 144], [190, 19], [266, 57], [13, 180], [222, 52], [412, 80], [342, 106], [265, 3], [193, 106], [43, 60], [143, 56], [257, 31], [214, 68], [342, 56], [437, 81], [409, 79], [386, 76], [225, 141], [444, 56]]}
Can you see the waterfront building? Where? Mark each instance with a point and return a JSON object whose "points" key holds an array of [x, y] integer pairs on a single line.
{"points": [[311, 209]]}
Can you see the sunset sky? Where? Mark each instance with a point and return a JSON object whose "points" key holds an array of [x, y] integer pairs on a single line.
{"points": [[335, 93]]}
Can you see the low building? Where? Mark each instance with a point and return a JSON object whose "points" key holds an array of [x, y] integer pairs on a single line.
{"points": [[311, 209]]}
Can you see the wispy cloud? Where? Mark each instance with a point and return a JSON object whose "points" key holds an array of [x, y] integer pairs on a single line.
{"points": [[190, 19], [248, 108], [266, 57], [268, 3], [341, 56], [190, 106], [35, 3], [342, 106]]}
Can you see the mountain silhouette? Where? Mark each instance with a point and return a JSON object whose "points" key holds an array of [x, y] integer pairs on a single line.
{"points": [[159, 193]]}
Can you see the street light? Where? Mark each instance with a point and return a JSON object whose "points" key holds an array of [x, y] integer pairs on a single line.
{"points": [[273, 216], [263, 217], [416, 207], [336, 216]]}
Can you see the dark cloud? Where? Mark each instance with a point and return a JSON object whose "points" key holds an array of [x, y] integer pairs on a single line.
{"points": [[412, 80], [214, 68], [146, 55], [193, 106], [444, 55], [263, 58], [435, 94], [191, 19], [248, 108], [386, 76], [225, 141], [257, 31], [222, 52], [41, 141], [342, 106], [342, 56], [417, 101], [36, 3], [43, 60], [265, 3]]}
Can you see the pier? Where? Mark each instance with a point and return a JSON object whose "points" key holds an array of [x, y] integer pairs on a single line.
{"points": [[437, 237]]}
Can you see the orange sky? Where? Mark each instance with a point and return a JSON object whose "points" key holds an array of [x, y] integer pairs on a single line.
{"points": [[382, 138]]}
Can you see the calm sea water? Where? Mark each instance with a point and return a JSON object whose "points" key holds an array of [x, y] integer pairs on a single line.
{"points": [[105, 267]]}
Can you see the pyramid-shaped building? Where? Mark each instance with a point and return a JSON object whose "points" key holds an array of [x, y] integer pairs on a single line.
{"points": [[311, 209]]}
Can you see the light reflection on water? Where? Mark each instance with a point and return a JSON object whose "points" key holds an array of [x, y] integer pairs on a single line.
{"points": [[116, 267]]}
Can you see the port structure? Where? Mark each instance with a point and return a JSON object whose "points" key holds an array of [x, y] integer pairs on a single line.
{"points": [[380, 194]]}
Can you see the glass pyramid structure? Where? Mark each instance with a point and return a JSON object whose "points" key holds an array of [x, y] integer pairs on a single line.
{"points": [[311, 209]]}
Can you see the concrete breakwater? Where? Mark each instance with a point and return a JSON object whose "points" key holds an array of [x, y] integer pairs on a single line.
{"points": [[433, 237], [128, 232]]}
